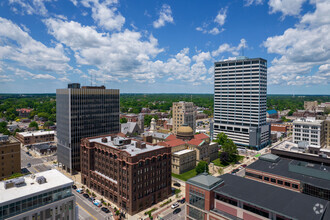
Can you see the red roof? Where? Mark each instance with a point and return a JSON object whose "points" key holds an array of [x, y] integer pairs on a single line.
{"points": [[24, 110], [172, 143], [201, 136], [195, 142], [171, 137]]}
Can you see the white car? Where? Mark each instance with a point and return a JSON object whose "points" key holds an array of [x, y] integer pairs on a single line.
{"points": [[175, 205]]}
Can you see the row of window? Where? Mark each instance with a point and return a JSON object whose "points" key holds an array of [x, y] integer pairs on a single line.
{"points": [[272, 180]]}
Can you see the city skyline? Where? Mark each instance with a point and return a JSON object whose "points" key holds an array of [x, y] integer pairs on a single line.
{"points": [[161, 46]]}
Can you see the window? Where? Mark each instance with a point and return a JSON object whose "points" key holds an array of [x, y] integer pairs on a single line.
{"points": [[253, 175], [295, 186], [273, 180], [287, 184], [266, 178], [280, 182]]}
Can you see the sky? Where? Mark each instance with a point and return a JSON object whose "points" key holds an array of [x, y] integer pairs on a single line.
{"points": [[153, 46]]}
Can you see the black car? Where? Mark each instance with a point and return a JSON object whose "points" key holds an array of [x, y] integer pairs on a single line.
{"points": [[28, 165], [177, 184], [74, 187], [91, 199], [86, 195], [104, 209], [183, 200], [176, 211]]}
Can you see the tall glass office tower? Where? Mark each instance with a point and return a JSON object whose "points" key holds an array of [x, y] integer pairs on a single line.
{"points": [[240, 101], [83, 112]]}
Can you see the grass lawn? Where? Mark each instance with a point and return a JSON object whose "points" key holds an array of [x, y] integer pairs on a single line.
{"points": [[185, 176], [217, 161], [258, 155]]}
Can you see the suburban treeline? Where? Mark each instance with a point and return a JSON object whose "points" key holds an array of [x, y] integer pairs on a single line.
{"points": [[44, 105]]}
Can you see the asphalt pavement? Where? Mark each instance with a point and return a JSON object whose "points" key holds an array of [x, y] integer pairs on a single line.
{"points": [[89, 211], [170, 216]]}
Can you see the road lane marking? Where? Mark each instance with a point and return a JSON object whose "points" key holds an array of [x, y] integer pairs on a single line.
{"points": [[86, 211]]}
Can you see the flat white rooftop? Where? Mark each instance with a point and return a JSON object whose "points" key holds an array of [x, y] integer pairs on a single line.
{"points": [[129, 148], [54, 180], [183, 152], [35, 133], [309, 121]]}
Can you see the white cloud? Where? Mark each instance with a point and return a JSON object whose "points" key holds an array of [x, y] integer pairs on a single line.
{"points": [[75, 2], [227, 48], [286, 7], [18, 46], [30, 7], [105, 14], [215, 31], [165, 16], [251, 2], [28, 75], [301, 49], [221, 17]]}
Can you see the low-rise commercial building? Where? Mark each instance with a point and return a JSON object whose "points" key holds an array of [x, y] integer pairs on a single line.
{"points": [[234, 197], [32, 137], [130, 173], [309, 130], [278, 127], [45, 195], [271, 113], [10, 156], [303, 152], [295, 175]]}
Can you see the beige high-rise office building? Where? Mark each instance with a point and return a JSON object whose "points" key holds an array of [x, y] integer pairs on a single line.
{"points": [[327, 132], [183, 113]]}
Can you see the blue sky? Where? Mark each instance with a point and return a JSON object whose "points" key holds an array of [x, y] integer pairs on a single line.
{"points": [[151, 46]]}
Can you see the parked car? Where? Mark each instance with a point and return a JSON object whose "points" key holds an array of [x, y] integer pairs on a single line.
{"points": [[104, 209], [177, 184], [80, 191], [28, 165], [74, 187], [244, 165], [97, 203], [86, 195], [176, 211], [91, 199], [183, 200], [175, 205]]}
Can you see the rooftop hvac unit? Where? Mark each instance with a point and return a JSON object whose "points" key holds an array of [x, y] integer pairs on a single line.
{"points": [[41, 179], [9, 184], [19, 181]]}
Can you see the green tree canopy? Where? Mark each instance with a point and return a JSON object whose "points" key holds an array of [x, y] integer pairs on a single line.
{"points": [[201, 167], [221, 138], [147, 119], [123, 120], [229, 147], [33, 124]]}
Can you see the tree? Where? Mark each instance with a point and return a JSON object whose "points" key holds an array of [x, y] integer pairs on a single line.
{"points": [[34, 124], [220, 171], [290, 112], [123, 120], [229, 147], [201, 167], [221, 138], [224, 157], [147, 119], [48, 123]]}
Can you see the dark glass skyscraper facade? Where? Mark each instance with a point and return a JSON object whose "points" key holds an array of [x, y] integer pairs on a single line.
{"points": [[83, 112]]}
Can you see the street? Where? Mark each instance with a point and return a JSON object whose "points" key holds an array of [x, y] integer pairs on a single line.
{"points": [[168, 214], [89, 211], [37, 164]]}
